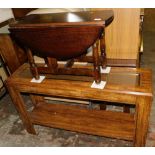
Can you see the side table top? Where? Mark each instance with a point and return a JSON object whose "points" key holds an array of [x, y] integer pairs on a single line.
{"points": [[122, 84]]}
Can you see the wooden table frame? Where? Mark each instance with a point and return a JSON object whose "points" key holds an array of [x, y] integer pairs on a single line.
{"points": [[58, 38], [121, 125]]}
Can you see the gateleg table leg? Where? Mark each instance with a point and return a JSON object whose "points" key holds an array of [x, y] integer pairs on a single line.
{"points": [[19, 104], [143, 107], [97, 74]]}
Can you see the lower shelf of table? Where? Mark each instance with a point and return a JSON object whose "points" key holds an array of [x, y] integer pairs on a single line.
{"points": [[97, 122]]}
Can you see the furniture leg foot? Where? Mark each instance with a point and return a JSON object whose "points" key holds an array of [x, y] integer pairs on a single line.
{"points": [[143, 107], [19, 104]]}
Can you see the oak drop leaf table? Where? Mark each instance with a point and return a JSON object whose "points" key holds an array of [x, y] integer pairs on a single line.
{"points": [[128, 86]]}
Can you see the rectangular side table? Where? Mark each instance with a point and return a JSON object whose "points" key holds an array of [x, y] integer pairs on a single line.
{"points": [[128, 86]]}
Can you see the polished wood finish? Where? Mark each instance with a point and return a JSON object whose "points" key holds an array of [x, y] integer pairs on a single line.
{"points": [[63, 36], [103, 52], [21, 109], [99, 18], [126, 86], [21, 12], [143, 109], [33, 66], [96, 63], [126, 27], [62, 43], [63, 116]]}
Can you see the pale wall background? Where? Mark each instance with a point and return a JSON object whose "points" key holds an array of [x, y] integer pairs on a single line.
{"points": [[5, 14]]}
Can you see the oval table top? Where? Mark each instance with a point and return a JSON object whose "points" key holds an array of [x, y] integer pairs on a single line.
{"points": [[99, 18]]}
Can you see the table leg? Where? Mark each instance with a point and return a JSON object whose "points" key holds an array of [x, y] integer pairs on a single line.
{"points": [[97, 74], [19, 104], [103, 52], [143, 107], [33, 66]]}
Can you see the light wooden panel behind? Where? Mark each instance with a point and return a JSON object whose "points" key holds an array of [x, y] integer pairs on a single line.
{"points": [[12, 54], [122, 35]]}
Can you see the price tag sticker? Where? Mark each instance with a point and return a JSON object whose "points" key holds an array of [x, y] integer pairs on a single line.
{"points": [[97, 19], [106, 70], [101, 85], [41, 78]]}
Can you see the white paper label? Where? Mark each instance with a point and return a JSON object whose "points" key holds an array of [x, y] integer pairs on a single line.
{"points": [[101, 85], [106, 70], [97, 19], [39, 80]]}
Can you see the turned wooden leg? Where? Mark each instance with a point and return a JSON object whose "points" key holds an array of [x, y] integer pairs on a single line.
{"points": [[103, 52], [19, 104], [143, 107], [97, 74], [33, 66]]}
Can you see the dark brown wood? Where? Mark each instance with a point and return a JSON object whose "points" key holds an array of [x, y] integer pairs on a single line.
{"points": [[126, 108], [99, 122], [20, 52], [69, 63], [52, 64], [100, 18], [2, 24], [103, 51], [97, 74], [103, 106], [33, 66], [63, 36], [67, 42], [21, 12], [62, 43]]}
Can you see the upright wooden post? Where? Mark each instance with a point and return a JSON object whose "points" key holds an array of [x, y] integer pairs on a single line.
{"points": [[103, 51], [19, 104], [143, 107], [96, 59], [33, 66]]}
